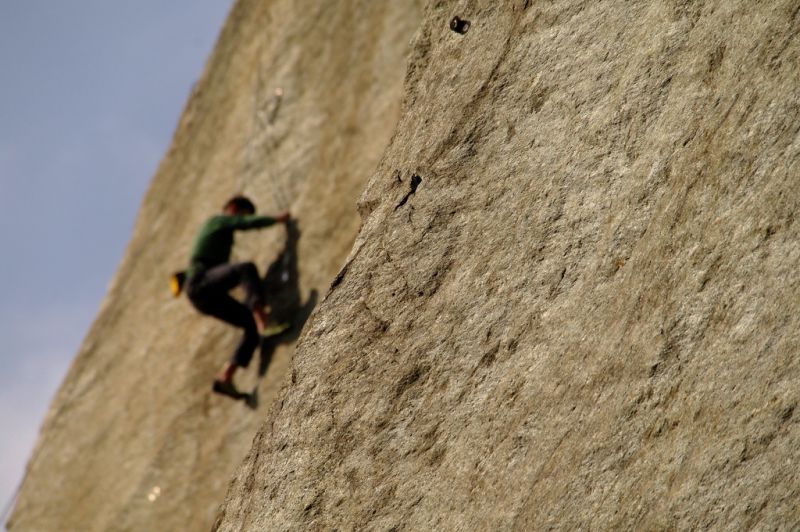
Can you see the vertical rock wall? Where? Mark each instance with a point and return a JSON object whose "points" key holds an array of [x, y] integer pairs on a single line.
{"points": [[295, 107], [574, 302]]}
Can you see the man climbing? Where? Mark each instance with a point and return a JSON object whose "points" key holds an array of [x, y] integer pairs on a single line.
{"points": [[210, 277]]}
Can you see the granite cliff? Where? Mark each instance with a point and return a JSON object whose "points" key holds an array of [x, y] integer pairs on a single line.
{"points": [[571, 299], [574, 299]]}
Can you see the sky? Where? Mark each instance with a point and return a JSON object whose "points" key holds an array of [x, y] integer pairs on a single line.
{"points": [[90, 94]]}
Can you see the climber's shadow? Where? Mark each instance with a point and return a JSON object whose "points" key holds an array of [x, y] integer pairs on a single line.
{"points": [[282, 293]]}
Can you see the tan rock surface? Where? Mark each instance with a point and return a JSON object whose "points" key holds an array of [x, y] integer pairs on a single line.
{"points": [[586, 315], [295, 107]]}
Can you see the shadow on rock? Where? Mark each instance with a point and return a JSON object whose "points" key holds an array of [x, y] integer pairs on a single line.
{"points": [[282, 293]]}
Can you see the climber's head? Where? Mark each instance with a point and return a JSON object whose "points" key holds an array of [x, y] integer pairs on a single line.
{"points": [[239, 205]]}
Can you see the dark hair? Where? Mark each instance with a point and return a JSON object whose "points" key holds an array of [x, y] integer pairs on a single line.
{"points": [[242, 204]]}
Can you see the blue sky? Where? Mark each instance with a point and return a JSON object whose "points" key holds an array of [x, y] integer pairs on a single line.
{"points": [[90, 95]]}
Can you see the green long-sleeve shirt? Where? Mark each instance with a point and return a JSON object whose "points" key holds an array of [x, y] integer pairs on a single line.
{"points": [[213, 243]]}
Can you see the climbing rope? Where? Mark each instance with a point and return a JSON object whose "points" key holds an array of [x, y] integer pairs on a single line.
{"points": [[263, 116]]}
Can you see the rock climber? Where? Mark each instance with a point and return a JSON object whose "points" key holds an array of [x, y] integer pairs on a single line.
{"points": [[210, 277]]}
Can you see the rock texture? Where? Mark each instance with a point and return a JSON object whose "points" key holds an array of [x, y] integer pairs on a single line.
{"points": [[295, 107], [574, 299], [572, 302]]}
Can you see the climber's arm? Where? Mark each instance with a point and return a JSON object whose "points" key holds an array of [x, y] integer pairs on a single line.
{"points": [[254, 222]]}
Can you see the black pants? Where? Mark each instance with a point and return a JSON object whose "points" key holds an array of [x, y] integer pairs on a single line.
{"points": [[208, 292]]}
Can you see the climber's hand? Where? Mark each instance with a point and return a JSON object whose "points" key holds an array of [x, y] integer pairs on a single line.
{"points": [[282, 217]]}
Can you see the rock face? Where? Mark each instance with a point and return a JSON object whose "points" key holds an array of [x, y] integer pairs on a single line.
{"points": [[574, 300], [295, 108]]}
